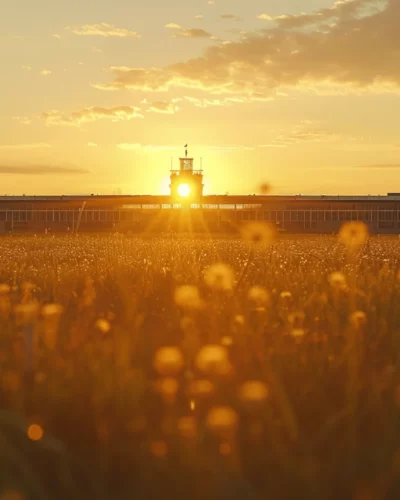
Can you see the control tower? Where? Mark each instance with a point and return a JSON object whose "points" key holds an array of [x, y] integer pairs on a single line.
{"points": [[186, 183]]}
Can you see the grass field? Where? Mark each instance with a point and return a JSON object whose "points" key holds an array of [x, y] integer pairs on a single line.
{"points": [[178, 368]]}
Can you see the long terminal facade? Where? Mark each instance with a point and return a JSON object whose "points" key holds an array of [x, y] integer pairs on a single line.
{"points": [[195, 212]]}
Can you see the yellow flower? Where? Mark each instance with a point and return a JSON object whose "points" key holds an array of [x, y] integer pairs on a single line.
{"points": [[258, 234], [168, 361], [353, 234], [219, 277]]}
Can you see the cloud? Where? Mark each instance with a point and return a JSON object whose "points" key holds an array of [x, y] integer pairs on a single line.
{"points": [[228, 149], [40, 169], [56, 35], [45, 72], [199, 17], [92, 144], [103, 29], [24, 120], [230, 17], [306, 131], [34, 145], [163, 107], [360, 50], [344, 9], [180, 32], [28, 68], [76, 118]]}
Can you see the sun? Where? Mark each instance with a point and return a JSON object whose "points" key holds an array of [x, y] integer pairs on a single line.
{"points": [[184, 190]]}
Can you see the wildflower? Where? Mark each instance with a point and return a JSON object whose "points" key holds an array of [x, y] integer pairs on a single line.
{"points": [[168, 361], [337, 280], [222, 419], [353, 234], [188, 297], [258, 295], [219, 277], [258, 234], [213, 360], [253, 391]]}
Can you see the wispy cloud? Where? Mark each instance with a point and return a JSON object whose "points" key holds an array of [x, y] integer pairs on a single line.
{"points": [[230, 17], [164, 107], [103, 29], [34, 145], [45, 72], [40, 169], [179, 32], [76, 118]]}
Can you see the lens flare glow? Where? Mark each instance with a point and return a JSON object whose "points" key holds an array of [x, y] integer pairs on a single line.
{"points": [[184, 190]]}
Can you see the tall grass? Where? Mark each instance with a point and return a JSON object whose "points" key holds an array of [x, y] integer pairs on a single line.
{"points": [[281, 378]]}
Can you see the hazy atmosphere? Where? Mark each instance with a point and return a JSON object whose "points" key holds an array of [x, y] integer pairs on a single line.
{"points": [[97, 96]]}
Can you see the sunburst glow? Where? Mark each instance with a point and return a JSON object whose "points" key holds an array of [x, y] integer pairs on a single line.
{"points": [[184, 190]]}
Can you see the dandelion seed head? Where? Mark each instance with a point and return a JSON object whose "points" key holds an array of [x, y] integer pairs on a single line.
{"points": [[219, 277], [258, 295], [35, 432], [221, 419], [353, 234], [253, 391], [212, 359], [168, 361], [258, 234], [159, 449], [358, 319], [4, 289], [337, 280], [187, 427], [52, 310], [103, 325], [188, 297]]}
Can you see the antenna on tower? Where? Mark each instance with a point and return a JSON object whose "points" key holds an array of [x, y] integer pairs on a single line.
{"points": [[186, 151]]}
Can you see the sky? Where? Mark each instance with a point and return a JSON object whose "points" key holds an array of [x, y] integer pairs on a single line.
{"points": [[100, 96]]}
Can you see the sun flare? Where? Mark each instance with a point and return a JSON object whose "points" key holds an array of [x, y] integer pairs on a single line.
{"points": [[184, 190]]}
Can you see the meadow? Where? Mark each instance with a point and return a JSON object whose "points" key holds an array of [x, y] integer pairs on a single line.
{"points": [[171, 367]]}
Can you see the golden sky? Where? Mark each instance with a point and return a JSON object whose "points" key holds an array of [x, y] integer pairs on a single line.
{"points": [[97, 96]]}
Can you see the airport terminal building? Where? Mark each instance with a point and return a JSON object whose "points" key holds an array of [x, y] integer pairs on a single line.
{"points": [[186, 209]]}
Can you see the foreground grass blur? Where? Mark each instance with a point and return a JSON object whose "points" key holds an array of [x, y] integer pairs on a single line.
{"points": [[154, 368]]}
